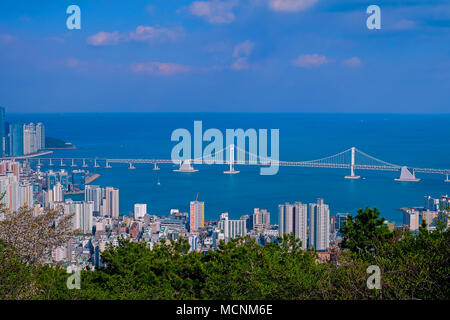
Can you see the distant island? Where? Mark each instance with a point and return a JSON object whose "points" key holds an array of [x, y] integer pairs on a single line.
{"points": [[54, 143]]}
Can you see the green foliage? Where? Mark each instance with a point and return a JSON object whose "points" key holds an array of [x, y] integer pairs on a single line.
{"points": [[361, 232], [413, 266]]}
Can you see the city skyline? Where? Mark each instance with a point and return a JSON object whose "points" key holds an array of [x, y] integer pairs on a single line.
{"points": [[227, 55]]}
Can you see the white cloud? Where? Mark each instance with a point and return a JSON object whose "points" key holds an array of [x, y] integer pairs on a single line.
{"points": [[352, 62], [215, 11], [291, 5], [243, 49], [240, 64], [141, 34], [241, 52], [159, 68], [104, 38], [310, 60], [148, 34]]}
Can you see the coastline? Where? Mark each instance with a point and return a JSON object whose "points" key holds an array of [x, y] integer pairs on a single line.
{"points": [[92, 178], [28, 155], [68, 148]]}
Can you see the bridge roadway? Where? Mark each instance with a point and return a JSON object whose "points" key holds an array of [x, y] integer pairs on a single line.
{"points": [[74, 162]]}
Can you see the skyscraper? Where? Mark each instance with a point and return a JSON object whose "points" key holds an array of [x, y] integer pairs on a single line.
{"points": [[2, 132], [16, 139], [293, 219], [261, 218], [140, 210], [197, 215], [93, 193], [300, 223], [40, 136], [111, 202], [232, 228], [340, 220], [30, 144], [320, 225], [83, 214], [286, 218]]}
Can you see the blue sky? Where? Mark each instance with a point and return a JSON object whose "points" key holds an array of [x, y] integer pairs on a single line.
{"points": [[225, 55]]}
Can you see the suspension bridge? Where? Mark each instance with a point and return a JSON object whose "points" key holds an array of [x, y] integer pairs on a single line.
{"points": [[351, 159]]}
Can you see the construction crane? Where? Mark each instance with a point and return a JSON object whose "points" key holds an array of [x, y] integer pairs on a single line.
{"points": [[196, 197]]}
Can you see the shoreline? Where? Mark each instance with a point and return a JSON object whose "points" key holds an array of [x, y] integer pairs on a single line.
{"points": [[68, 148], [28, 156], [91, 178]]}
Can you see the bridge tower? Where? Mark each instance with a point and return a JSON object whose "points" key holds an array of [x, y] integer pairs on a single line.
{"points": [[352, 166], [231, 171], [185, 166], [406, 175], [447, 180]]}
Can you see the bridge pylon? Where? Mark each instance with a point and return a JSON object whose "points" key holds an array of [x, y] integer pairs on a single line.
{"points": [[231, 171], [447, 179], [155, 166], [185, 166], [352, 167], [406, 175]]}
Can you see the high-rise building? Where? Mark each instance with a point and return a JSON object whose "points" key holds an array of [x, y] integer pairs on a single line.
{"points": [[93, 193], [9, 185], [30, 143], [411, 219], [232, 228], [340, 220], [16, 146], [319, 225], [111, 202], [26, 198], [293, 219], [285, 218], [40, 136], [2, 132], [261, 218], [58, 192], [83, 214], [300, 223], [140, 210], [197, 215], [193, 242], [431, 204], [63, 177]]}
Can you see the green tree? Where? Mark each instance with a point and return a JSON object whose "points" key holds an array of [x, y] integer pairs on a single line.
{"points": [[361, 232]]}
